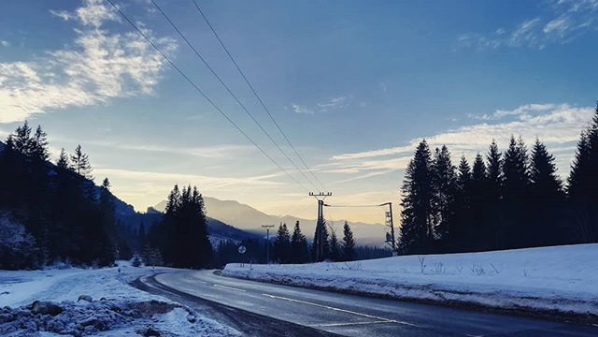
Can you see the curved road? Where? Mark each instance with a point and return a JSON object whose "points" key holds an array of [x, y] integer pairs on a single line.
{"points": [[306, 312]]}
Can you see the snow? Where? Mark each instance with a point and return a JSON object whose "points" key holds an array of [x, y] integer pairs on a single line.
{"points": [[117, 307], [560, 279]]}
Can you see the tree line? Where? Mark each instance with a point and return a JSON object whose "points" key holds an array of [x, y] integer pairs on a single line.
{"points": [[55, 210], [287, 248], [506, 200], [54, 213]]}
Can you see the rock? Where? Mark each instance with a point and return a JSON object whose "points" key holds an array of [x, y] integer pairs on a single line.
{"points": [[149, 332], [45, 308], [85, 298]]}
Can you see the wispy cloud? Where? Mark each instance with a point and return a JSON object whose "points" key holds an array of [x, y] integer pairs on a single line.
{"points": [[302, 109], [559, 21], [100, 66], [4, 43], [217, 151], [332, 104], [559, 126]]}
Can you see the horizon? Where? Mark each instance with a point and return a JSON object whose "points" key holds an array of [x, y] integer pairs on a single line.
{"points": [[452, 76]]}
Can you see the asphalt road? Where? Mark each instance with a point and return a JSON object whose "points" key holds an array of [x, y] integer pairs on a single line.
{"points": [[261, 309]]}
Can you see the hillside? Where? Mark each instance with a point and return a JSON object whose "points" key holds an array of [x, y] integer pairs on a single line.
{"points": [[247, 218]]}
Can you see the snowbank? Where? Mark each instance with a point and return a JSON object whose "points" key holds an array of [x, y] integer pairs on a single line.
{"points": [[116, 307], [559, 280]]}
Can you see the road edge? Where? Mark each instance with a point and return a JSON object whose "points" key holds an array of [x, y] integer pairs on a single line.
{"points": [[237, 318], [520, 311]]}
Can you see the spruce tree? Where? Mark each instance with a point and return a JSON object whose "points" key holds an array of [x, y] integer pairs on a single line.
{"points": [[348, 245], [416, 233], [299, 253], [444, 180], [325, 244], [493, 222], [583, 185], [517, 230], [335, 249], [461, 229], [80, 163], [483, 206], [63, 162], [282, 245], [547, 198]]}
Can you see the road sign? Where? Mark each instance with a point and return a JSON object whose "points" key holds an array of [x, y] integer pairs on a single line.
{"points": [[242, 250]]}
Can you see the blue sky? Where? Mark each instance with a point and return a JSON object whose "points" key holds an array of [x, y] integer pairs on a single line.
{"points": [[353, 83]]}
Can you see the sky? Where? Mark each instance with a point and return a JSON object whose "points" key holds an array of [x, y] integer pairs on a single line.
{"points": [[353, 84]]}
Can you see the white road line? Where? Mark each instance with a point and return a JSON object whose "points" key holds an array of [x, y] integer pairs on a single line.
{"points": [[351, 323], [595, 325], [468, 335], [233, 288], [376, 318]]}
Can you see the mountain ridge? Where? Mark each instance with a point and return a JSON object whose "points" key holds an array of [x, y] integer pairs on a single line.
{"points": [[250, 219]]}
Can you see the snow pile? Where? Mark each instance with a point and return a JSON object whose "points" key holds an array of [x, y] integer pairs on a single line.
{"points": [[556, 280], [82, 302]]}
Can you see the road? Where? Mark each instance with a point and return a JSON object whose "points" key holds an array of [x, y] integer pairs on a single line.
{"points": [[261, 309]]}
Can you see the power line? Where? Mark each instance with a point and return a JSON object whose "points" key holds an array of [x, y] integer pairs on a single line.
{"points": [[205, 62], [201, 92], [353, 206], [256, 95]]}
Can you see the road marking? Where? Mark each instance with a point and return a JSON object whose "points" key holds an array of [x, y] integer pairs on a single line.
{"points": [[595, 325], [468, 335], [376, 318], [345, 324], [233, 288]]}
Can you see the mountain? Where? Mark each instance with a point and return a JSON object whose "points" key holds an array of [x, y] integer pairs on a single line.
{"points": [[249, 219]]}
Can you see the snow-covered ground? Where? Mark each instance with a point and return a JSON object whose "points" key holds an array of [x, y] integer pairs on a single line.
{"points": [[560, 280], [116, 308]]}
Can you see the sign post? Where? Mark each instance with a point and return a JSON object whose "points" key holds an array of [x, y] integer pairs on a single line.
{"points": [[242, 251]]}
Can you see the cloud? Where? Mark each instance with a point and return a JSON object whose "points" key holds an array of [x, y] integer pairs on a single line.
{"points": [[332, 104], [302, 109], [561, 21], [217, 151], [4, 43], [559, 126], [336, 102], [97, 67]]}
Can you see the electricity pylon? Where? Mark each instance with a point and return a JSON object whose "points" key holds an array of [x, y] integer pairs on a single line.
{"points": [[390, 237], [318, 237]]}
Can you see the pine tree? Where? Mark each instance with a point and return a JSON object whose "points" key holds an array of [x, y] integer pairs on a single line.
{"points": [[443, 197], [63, 162], [325, 243], [464, 175], [107, 242], [583, 185], [483, 221], [80, 163], [282, 245], [517, 232], [39, 145], [335, 249], [182, 236], [299, 253], [493, 222], [348, 245], [547, 198], [461, 229], [416, 234]]}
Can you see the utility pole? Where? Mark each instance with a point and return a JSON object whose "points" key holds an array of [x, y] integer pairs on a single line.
{"points": [[389, 222], [267, 227], [318, 237]]}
